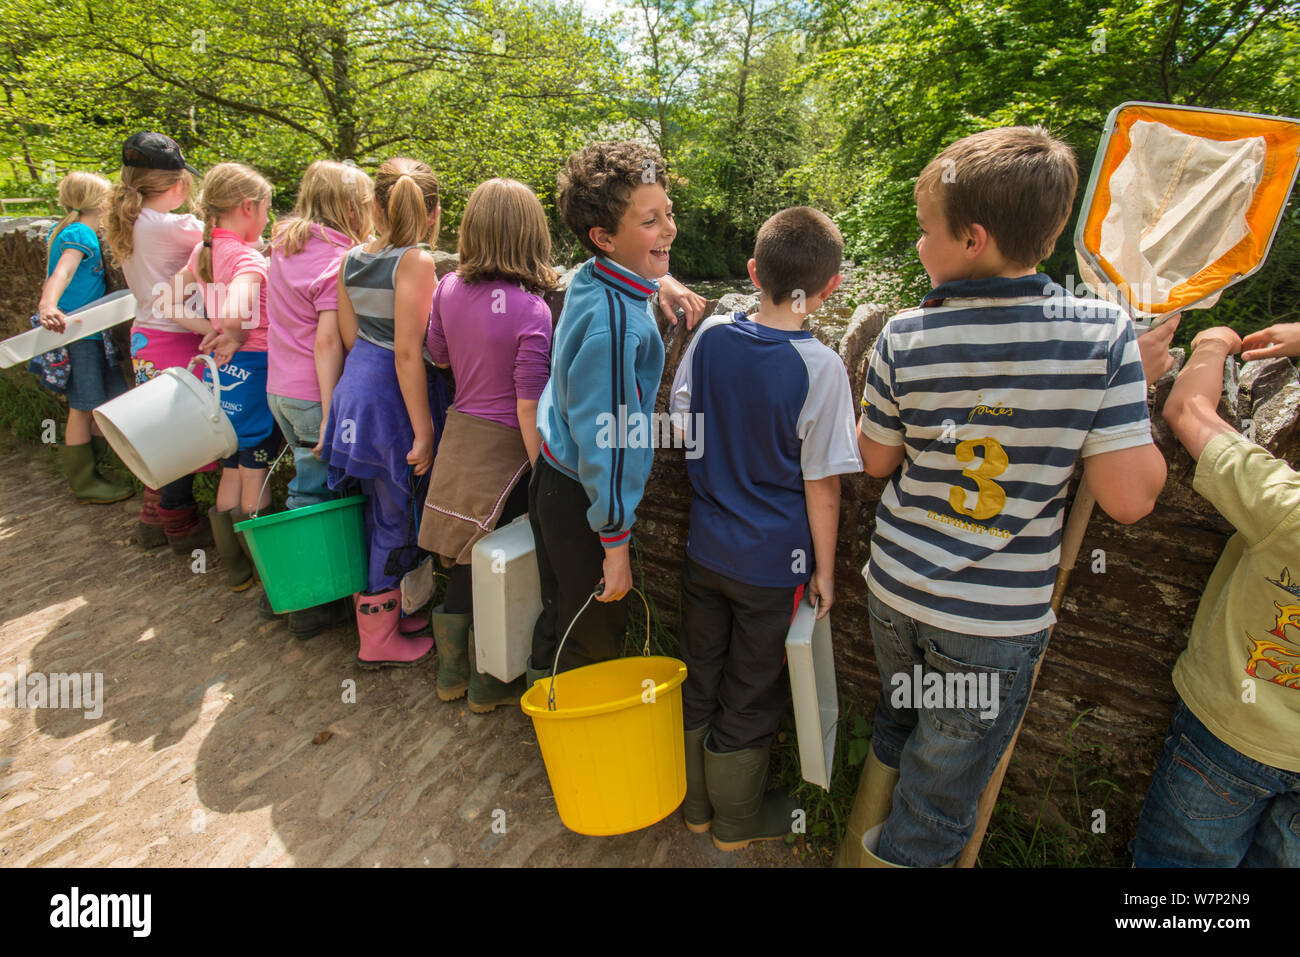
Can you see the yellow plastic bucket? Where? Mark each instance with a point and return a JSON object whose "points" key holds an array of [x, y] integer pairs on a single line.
{"points": [[613, 743]]}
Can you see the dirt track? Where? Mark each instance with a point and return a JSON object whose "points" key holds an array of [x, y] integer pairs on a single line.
{"points": [[204, 753]]}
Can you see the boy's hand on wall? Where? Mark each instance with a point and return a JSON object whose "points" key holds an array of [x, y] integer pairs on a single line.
{"points": [[1282, 339], [673, 296], [617, 570], [1154, 346], [1220, 334], [821, 591]]}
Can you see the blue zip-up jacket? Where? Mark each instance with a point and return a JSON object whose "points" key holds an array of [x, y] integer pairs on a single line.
{"points": [[595, 416]]}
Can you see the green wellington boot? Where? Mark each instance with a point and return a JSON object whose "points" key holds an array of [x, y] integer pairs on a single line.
{"points": [[871, 808], [696, 809], [486, 693], [239, 570], [743, 809], [87, 484], [451, 635]]}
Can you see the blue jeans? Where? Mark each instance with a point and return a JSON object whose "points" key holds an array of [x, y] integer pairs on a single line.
{"points": [[1211, 806], [946, 749], [299, 420]]}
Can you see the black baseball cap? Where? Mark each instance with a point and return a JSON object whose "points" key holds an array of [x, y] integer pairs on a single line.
{"points": [[154, 151]]}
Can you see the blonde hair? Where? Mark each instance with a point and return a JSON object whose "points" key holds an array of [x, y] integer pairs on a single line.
{"points": [[224, 187], [79, 192], [406, 192], [336, 195], [503, 235], [128, 196]]}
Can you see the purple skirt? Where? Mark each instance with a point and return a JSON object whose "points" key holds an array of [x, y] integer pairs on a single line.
{"points": [[369, 433]]}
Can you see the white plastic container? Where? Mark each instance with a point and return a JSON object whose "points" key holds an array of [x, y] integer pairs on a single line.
{"points": [[170, 426], [507, 599], [93, 317], [816, 700]]}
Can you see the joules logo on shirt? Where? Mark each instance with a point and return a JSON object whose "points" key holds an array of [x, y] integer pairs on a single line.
{"points": [[658, 430]]}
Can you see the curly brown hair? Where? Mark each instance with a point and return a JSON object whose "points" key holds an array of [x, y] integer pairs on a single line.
{"points": [[596, 184]]}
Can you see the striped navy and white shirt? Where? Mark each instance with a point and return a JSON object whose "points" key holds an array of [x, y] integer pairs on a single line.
{"points": [[371, 282], [996, 387]]}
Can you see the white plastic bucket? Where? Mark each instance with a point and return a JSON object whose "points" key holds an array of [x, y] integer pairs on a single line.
{"points": [[170, 426], [816, 701], [507, 599]]}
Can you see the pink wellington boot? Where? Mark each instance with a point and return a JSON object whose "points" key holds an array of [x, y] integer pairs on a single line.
{"points": [[382, 645], [413, 624]]}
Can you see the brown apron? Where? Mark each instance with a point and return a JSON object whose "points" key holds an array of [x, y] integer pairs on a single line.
{"points": [[478, 464]]}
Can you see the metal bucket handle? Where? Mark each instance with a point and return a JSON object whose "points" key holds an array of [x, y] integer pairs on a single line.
{"points": [[555, 662]]}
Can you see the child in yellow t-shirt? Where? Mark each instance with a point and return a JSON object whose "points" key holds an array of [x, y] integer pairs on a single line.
{"points": [[1226, 791]]}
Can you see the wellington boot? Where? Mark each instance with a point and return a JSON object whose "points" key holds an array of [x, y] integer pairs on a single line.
{"points": [[382, 645], [238, 516], [743, 809], [88, 485], [239, 570], [487, 693], [871, 807], [103, 457], [413, 624], [533, 675], [185, 529], [310, 622], [870, 846], [696, 809], [149, 526], [451, 635]]}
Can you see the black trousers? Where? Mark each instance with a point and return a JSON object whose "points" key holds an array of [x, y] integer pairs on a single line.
{"points": [[733, 643], [459, 599], [570, 563]]}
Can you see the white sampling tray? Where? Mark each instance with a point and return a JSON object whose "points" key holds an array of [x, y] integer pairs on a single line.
{"points": [[93, 317], [816, 700], [507, 599]]}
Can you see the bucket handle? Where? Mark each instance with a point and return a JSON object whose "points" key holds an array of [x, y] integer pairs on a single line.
{"points": [[555, 662], [269, 472], [214, 410]]}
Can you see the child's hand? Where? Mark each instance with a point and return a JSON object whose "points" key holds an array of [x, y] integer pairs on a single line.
{"points": [[1220, 334], [1154, 346], [52, 318], [1282, 339], [224, 346], [617, 570], [821, 590], [317, 450], [421, 454], [673, 296]]}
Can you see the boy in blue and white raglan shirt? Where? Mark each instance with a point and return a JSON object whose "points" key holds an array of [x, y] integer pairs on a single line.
{"points": [[607, 357], [776, 407], [976, 407]]}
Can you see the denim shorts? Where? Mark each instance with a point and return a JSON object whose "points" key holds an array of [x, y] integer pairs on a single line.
{"points": [[92, 381], [1209, 805], [949, 704]]}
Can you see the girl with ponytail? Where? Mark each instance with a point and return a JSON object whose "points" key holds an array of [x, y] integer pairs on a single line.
{"points": [[387, 412], [231, 275], [151, 243], [75, 277]]}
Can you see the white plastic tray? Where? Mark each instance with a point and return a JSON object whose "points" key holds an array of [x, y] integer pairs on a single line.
{"points": [[816, 701], [93, 317], [507, 599]]}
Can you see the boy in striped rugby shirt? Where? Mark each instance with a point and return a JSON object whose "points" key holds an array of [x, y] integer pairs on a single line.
{"points": [[977, 406]]}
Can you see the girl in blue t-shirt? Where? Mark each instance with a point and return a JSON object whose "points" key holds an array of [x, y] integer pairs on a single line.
{"points": [[74, 277]]}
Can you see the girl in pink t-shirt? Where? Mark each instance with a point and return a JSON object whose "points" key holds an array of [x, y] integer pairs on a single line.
{"points": [[231, 275]]}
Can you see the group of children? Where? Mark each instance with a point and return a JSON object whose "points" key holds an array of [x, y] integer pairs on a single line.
{"points": [[976, 407]]}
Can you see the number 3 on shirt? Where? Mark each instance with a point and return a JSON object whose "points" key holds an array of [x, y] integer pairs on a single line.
{"points": [[992, 496]]}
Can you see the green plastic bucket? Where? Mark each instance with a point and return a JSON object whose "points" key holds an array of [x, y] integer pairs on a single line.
{"points": [[310, 556]]}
